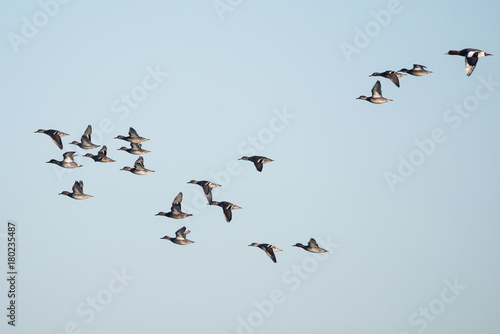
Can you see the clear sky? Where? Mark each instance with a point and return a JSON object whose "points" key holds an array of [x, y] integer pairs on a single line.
{"points": [[404, 194]]}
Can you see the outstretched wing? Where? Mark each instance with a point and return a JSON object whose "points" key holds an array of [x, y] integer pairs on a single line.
{"points": [[181, 233], [470, 63], [227, 213], [68, 156], [102, 152], [313, 243], [132, 133], [139, 163], [78, 187], [377, 89], [269, 251], [176, 204]]}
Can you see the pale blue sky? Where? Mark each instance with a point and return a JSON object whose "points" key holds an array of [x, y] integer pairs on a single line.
{"points": [[266, 78]]}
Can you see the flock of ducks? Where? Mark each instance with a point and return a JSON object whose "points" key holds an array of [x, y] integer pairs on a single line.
{"points": [[471, 58], [139, 169]]}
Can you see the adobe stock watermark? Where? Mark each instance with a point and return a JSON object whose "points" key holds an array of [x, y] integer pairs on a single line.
{"points": [[252, 145], [122, 106], [421, 319], [223, 6], [31, 26], [427, 146], [371, 29], [292, 278], [88, 309]]}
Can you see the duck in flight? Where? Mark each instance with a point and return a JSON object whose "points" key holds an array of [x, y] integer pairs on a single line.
{"points": [[312, 247], [138, 168], [175, 210], [471, 57], [133, 137], [268, 249], [207, 188], [417, 70], [391, 75], [376, 97], [67, 161], [101, 155], [55, 135], [180, 237], [135, 148], [226, 207], [86, 139], [77, 191], [257, 160]]}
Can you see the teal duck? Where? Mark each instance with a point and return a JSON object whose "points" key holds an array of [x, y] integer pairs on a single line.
{"points": [[180, 237], [376, 95], [77, 191], [391, 75], [86, 139], [417, 70], [226, 207], [138, 168], [257, 160], [135, 148], [471, 58], [268, 249], [312, 247], [207, 188], [175, 210], [67, 161], [133, 137], [101, 155], [55, 135]]}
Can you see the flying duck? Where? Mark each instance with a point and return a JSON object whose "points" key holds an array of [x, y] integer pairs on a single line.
{"points": [[101, 155], [207, 188], [268, 249], [77, 191], [226, 207], [258, 161], [175, 210], [55, 135], [180, 237], [67, 161], [138, 168], [471, 58], [133, 137], [376, 95], [86, 143]]}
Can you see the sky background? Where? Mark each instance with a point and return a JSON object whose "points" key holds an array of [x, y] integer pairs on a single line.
{"points": [[243, 78]]}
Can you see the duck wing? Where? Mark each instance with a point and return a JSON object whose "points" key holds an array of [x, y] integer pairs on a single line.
{"points": [[377, 89], [470, 62], [68, 156], [86, 138], [227, 213], [102, 152], [312, 243], [139, 164], [391, 75], [78, 187], [54, 135], [135, 146], [132, 133], [269, 251], [209, 196], [181, 233], [176, 204]]}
